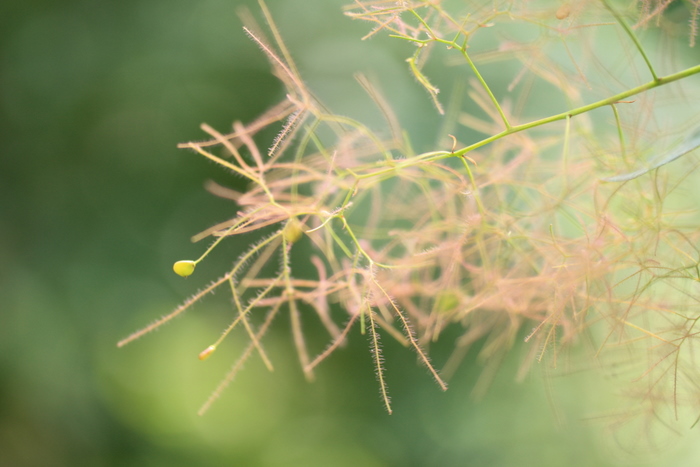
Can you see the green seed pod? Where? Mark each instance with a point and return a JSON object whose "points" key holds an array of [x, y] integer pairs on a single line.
{"points": [[184, 268], [292, 231]]}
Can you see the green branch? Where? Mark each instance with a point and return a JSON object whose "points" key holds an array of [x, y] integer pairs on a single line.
{"points": [[571, 113], [633, 36]]}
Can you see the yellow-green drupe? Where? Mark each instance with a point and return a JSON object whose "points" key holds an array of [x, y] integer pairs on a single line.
{"points": [[184, 268], [292, 231]]}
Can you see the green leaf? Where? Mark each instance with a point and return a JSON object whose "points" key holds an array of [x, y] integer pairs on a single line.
{"points": [[690, 143]]}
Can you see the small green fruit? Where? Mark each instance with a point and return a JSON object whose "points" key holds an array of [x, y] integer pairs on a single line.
{"points": [[184, 268], [292, 231]]}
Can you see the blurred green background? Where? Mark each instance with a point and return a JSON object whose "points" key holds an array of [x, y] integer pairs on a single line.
{"points": [[96, 205]]}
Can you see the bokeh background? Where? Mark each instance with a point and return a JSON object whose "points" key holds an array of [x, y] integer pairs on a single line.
{"points": [[96, 203]]}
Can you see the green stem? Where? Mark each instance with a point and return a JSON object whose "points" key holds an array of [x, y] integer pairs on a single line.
{"points": [[486, 86], [620, 133], [571, 113], [439, 155], [633, 36], [475, 188], [361, 250]]}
